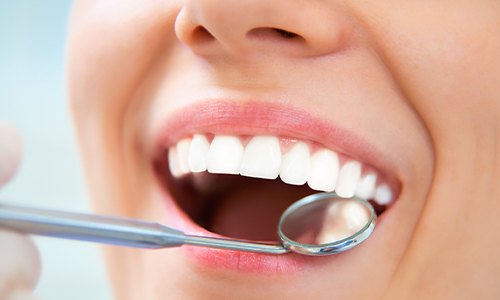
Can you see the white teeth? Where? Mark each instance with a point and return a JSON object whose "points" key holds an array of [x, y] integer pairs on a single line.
{"points": [[262, 158], [366, 186], [183, 153], [383, 194], [224, 155], [295, 164], [324, 170], [198, 152], [348, 179], [173, 163]]}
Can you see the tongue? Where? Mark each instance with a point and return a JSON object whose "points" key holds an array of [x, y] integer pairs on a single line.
{"points": [[252, 212]]}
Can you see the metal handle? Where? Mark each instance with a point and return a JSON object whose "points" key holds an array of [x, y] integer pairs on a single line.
{"points": [[86, 227], [115, 231]]}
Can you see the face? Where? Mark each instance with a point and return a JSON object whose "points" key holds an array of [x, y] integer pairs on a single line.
{"points": [[395, 102]]}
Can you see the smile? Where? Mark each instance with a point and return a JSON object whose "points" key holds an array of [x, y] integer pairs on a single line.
{"points": [[230, 170]]}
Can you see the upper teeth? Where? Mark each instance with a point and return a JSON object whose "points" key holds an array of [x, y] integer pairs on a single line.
{"points": [[263, 157], [295, 164]]}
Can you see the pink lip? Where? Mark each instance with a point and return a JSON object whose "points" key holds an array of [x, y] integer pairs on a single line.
{"points": [[247, 262], [252, 118], [227, 259]]}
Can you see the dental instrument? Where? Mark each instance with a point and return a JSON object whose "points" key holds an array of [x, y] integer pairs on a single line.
{"points": [[316, 225]]}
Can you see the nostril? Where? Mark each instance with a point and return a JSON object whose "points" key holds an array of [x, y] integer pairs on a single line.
{"points": [[274, 34], [286, 34], [201, 34]]}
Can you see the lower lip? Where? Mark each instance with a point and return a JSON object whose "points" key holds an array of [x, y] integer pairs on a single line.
{"points": [[238, 261], [217, 260]]}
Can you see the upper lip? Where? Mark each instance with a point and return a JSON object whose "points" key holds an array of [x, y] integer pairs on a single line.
{"points": [[254, 118]]}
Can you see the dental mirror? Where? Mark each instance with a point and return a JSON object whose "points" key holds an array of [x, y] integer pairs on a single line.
{"points": [[319, 224], [324, 223]]}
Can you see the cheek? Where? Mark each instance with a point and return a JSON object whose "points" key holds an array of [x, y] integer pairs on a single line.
{"points": [[111, 45], [444, 62]]}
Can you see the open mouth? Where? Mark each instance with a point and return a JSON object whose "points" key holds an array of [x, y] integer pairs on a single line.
{"points": [[236, 184]]}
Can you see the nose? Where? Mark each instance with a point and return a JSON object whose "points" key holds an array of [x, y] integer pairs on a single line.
{"points": [[246, 27]]}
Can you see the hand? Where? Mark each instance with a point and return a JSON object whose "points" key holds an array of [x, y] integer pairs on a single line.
{"points": [[19, 258]]}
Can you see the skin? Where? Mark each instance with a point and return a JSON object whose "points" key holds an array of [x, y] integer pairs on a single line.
{"points": [[418, 80], [20, 261]]}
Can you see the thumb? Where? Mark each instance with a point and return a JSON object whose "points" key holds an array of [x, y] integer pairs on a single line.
{"points": [[10, 152], [19, 265], [19, 258]]}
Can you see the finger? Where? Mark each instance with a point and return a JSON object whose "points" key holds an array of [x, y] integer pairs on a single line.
{"points": [[19, 264], [10, 152], [19, 258]]}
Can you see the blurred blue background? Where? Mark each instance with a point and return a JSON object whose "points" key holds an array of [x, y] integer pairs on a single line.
{"points": [[33, 98]]}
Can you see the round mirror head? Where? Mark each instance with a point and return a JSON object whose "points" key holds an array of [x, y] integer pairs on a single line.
{"points": [[324, 223]]}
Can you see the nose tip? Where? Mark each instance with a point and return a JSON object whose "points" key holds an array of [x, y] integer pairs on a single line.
{"points": [[245, 27]]}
